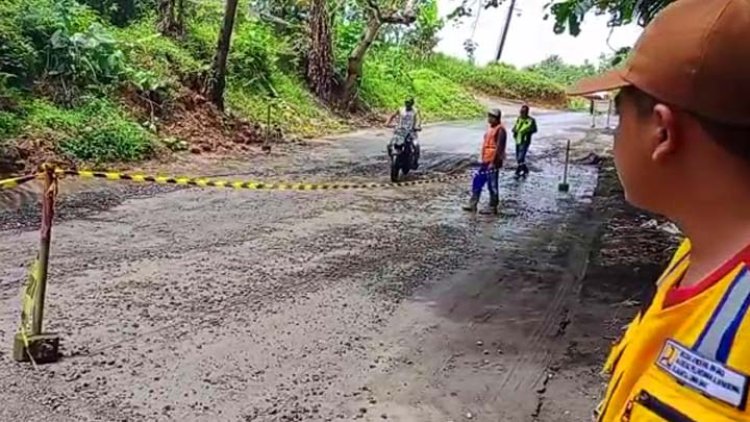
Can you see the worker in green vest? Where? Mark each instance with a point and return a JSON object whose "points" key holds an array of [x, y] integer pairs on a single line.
{"points": [[524, 128]]}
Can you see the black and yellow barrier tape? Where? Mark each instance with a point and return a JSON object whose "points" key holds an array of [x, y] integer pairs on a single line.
{"points": [[252, 185], [15, 182], [229, 184]]}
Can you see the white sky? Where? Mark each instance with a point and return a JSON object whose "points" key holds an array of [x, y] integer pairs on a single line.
{"points": [[530, 38]]}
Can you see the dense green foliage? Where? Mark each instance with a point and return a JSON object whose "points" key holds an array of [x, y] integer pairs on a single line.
{"points": [[391, 77], [69, 70], [61, 54], [95, 131], [500, 80], [569, 14], [554, 69]]}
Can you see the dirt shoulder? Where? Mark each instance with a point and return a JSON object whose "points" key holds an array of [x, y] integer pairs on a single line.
{"points": [[628, 255]]}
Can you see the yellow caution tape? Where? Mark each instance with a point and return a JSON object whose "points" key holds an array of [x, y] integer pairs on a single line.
{"points": [[28, 303], [29, 293], [252, 185], [15, 182], [226, 184]]}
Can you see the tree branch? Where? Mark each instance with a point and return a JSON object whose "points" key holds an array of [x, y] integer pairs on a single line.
{"points": [[405, 17], [267, 17]]}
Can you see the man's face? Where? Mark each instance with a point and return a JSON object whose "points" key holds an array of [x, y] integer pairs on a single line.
{"points": [[524, 111], [492, 120], [633, 151]]}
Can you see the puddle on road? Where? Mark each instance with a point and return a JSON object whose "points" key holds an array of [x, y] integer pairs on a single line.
{"points": [[533, 238], [523, 203]]}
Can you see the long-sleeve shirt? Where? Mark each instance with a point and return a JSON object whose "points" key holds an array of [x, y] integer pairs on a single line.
{"points": [[502, 140]]}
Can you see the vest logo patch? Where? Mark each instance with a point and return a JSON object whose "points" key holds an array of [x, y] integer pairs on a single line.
{"points": [[709, 377]]}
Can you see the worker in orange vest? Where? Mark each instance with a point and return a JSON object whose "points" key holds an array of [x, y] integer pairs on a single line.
{"points": [[491, 160]]}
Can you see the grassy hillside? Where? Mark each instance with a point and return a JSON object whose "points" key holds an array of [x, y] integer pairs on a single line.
{"points": [[501, 80]]}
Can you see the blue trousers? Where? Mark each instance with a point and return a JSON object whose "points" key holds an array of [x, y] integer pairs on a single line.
{"points": [[491, 178], [521, 150]]}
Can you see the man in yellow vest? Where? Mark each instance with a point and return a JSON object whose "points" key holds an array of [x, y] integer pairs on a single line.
{"points": [[682, 149], [490, 161], [523, 130]]}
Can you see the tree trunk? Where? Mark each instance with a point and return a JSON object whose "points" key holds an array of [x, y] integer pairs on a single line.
{"points": [[320, 58], [171, 18], [219, 71], [125, 12], [181, 16], [356, 59], [377, 19]]}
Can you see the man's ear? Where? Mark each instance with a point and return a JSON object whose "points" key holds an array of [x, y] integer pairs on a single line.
{"points": [[664, 137]]}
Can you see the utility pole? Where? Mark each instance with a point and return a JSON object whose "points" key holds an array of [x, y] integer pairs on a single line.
{"points": [[505, 29]]}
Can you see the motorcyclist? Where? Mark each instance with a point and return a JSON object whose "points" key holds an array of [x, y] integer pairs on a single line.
{"points": [[409, 120]]}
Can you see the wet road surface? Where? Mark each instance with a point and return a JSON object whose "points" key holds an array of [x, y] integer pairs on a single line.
{"points": [[388, 304]]}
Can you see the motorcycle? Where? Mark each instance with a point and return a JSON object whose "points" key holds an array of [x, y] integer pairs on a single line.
{"points": [[402, 154]]}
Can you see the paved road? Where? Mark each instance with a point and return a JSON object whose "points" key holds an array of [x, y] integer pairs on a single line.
{"points": [[389, 304]]}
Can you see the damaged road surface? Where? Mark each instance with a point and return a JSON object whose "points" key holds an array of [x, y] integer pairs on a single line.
{"points": [[387, 304]]}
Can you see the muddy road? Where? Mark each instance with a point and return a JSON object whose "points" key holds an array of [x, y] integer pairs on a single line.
{"points": [[387, 304]]}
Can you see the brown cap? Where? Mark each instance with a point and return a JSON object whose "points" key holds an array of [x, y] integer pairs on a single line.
{"points": [[695, 54]]}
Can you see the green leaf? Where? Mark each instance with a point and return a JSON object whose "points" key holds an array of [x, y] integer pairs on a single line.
{"points": [[58, 39]]}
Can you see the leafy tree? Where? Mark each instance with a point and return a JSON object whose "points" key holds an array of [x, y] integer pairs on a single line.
{"points": [[608, 61], [469, 8], [569, 14], [423, 38], [470, 47], [288, 14], [390, 12], [555, 69]]}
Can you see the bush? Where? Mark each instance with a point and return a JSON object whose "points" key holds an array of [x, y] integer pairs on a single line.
{"points": [[114, 140], [26, 31], [97, 131], [84, 59], [10, 125], [255, 56], [150, 51]]}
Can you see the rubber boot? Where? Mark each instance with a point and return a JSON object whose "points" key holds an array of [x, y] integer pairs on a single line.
{"points": [[472, 206], [492, 208]]}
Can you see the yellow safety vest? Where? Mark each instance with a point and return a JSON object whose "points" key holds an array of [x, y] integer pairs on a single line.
{"points": [[689, 361]]}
